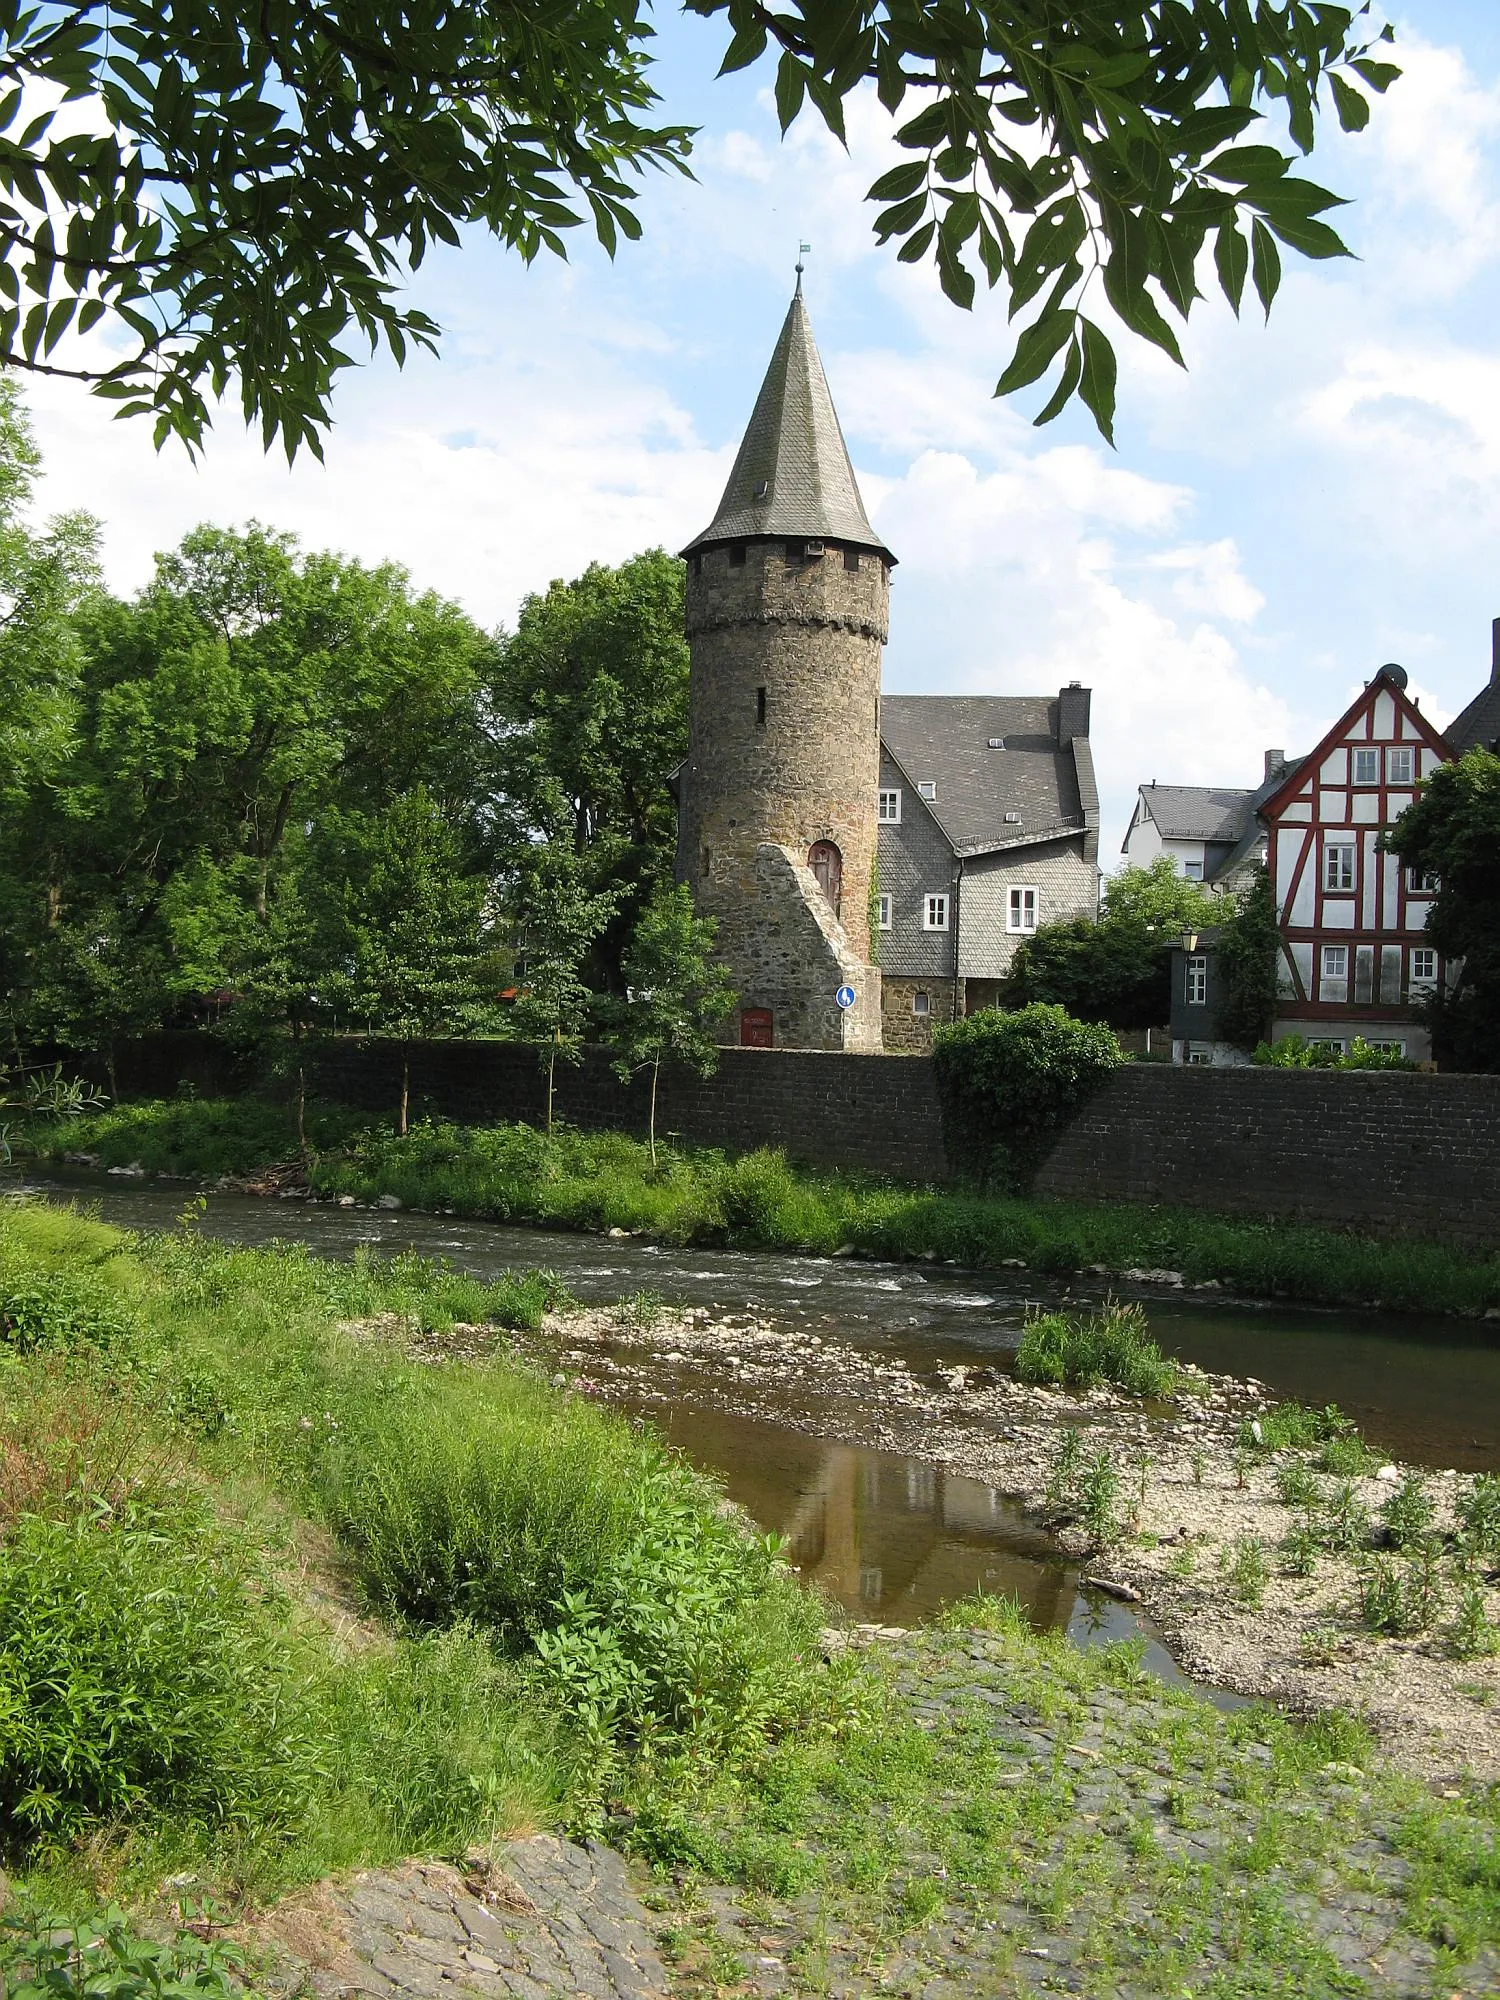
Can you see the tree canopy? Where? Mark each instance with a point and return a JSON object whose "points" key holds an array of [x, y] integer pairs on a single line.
{"points": [[237, 191]]}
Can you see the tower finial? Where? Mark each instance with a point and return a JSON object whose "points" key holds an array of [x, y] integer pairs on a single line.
{"points": [[802, 251]]}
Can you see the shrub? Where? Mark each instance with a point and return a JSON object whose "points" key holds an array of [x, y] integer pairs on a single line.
{"points": [[1479, 1513], [44, 1952], [1010, 1081], [1296, 1485], [141, 1676], [1292, 1052], [1082, 1349], [1472, 1636], [1344, 1521], [1098, 1491], [1245, 1566], [1409, 1513]]}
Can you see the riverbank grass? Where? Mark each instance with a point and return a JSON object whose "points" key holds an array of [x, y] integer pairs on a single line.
{"points": [[1084, 1350], [597, 1181]]}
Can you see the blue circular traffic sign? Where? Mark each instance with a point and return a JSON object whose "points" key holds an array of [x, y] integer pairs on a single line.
{"points": [[845, 997]]}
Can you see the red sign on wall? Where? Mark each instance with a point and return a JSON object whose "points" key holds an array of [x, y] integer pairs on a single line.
{"points": [[755, 1028]]}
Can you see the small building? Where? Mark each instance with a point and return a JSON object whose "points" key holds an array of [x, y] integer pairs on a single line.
{"points": [[1211, 833], [1354, 951], [988, 827], [1196, 1035]]}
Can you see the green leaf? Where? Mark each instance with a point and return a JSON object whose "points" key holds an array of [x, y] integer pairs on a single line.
{"points": [[915, 248], [1232, 256], [1353, 109], [1067, 382], [1097, 381], [1265, 264], [1035, 349], [1247, 164], [791, 84], [1312, 238], [899, 182], [1378, 75], [748, 46]]}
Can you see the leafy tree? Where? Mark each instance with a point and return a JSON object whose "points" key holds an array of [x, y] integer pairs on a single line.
{"points": [[677, 993], [556, 920], [249, 690], [1453, 833], [400, 925], [1247, 953], [589, 702], [255, 176], [1118, 969]]}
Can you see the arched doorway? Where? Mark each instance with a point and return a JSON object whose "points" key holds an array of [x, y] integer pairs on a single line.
{"points": [[827, 864]]}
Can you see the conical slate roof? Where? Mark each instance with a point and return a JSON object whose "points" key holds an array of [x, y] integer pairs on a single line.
{"points": [[792, 477]]}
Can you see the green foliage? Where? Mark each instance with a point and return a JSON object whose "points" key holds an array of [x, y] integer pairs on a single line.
{"points": [[1453, 834], [1403, 1599], [1246, 1567], [1409, 1514], [557, 920], [1472, 1635], [1294, 1427], [1080, 1350], [1133, 158], [233, 220], [193, 1711], [1295, 1484], [1010, 1081], [676, 993], [1086, 1485], [1247, 953], [47, 1954], [1118, 969], [592, 690], [1478, 1512], [1292, 1052]]}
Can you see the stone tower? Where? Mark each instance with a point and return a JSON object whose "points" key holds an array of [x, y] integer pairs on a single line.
{"points": [[788, 597]]}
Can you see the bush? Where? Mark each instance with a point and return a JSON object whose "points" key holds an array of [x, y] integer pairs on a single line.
{"points": [[44, 1952], [1080, 1350], [1010, 1081], [1292, 1052], [142, 1676]]}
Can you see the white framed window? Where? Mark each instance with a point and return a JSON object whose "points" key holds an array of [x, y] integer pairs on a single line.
{"points": [[1334, 984], [1325, 1042], [1196, 987], [1388, 1048], [1338, 864], [1398, 765], [1367, 767], [934, 913], [1200, 1055], [1192, 871], [1423, 967], [882, 913], [1020, 910], [928, 789], [1420, 884], [890, 809], [921, 1003]]}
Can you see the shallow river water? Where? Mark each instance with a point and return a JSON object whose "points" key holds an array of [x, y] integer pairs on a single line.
{"points": [[895, 1538]]}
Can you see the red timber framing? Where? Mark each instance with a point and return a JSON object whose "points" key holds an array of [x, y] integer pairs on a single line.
{"points": [[1350, 919]]}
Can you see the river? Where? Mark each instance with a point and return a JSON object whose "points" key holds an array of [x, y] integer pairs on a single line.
{"points": [[894, 1538]]}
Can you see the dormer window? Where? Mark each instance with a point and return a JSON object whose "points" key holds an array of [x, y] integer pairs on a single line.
{"points": [[927, 789]]}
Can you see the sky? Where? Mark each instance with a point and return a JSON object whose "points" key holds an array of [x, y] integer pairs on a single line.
{"points": [[1309, 499]]}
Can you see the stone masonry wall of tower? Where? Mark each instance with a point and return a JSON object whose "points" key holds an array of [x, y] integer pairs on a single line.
{"points": [[802, 768]]}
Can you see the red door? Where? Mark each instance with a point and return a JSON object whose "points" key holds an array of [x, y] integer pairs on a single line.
{"points": [[827, 864], [755, 1028]]}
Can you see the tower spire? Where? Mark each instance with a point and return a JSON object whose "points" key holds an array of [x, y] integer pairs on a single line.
{"points": [[792, 478]]}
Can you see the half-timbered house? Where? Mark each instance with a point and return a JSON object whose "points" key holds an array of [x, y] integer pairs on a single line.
{"points": [[1354, 951]]}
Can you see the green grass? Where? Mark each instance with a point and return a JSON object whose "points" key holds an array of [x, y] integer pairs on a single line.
{"points": [[549, 1594], [596, 1181], [1079, 1349]]}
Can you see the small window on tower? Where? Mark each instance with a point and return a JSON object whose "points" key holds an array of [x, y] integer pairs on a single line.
{"points": [[736, 555], [760, 707], [851, 559], [707, 867]]}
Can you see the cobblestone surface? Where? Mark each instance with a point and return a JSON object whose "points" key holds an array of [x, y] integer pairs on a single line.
{"points": [[541, 1917], [1155, 1881]]}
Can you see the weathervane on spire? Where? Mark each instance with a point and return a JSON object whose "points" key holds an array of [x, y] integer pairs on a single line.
{"points": [[802, 251]]}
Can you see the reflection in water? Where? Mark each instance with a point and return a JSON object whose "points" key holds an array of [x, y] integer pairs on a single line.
{"points": [[892, 1539]]}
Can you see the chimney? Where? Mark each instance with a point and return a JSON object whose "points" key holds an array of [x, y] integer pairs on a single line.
{"points": [[1072, 713], [1276, 759]]}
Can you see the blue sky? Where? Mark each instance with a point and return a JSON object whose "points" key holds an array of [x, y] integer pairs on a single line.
{"points": [[1307, 501]]}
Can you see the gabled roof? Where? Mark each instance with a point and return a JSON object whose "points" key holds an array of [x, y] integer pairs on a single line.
{"points": [[793, 477], [1479, 724], [1198, 812], [945, 740], [1391, 679]]}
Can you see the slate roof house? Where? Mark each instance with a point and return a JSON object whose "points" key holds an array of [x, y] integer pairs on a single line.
{"points": [[989, 826], [1212, 833], [1478, 727]]}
